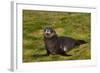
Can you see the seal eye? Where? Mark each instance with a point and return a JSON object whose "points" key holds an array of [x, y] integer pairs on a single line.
{"points": [[47, 31]]}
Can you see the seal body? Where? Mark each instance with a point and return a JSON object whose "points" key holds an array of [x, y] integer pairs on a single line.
{"points": [[58, 45]]}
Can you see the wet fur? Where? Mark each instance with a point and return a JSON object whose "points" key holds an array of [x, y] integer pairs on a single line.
{"points": [[59, 45]]}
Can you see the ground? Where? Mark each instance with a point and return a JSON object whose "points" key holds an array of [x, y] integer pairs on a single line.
{"points": [[72, 24]]}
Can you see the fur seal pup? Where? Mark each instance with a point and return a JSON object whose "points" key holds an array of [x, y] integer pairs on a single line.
{"points": [[55, 44]]}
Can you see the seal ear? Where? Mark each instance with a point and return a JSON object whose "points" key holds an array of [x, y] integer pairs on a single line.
{"points": [[54, 31]]}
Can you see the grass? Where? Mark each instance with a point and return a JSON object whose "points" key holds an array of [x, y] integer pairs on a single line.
{"points": [[75, 25]]}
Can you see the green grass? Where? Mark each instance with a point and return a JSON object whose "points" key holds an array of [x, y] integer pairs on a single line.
{"points": [[75, 25]]}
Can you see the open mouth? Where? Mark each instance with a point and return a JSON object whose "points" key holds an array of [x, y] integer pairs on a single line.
{"points": [[48, 34]]}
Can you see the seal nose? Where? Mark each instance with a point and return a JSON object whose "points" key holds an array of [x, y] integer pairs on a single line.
{"points": [[47, 32]]}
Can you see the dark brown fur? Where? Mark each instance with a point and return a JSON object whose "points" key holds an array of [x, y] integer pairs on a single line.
{"points": [[58, 45]]}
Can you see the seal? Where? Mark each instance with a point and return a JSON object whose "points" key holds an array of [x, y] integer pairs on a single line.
{"points": [[55, 44]]}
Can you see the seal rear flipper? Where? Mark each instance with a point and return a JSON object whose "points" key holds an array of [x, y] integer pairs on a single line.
{"points": [[79, 42]]}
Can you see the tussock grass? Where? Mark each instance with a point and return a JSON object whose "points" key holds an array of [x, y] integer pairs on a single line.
{"points": [[75, 25]]}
